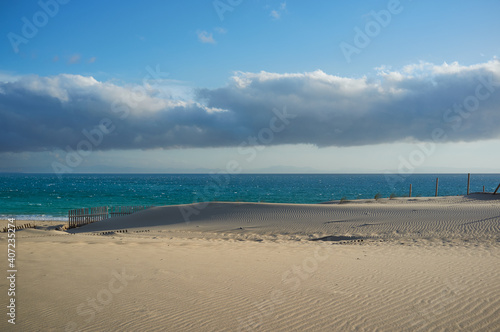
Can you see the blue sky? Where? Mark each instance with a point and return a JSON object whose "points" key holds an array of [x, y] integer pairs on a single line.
{"points": [[208, 75]]}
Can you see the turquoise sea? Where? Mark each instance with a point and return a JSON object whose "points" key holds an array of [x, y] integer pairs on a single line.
{"points": [[45, 196]]}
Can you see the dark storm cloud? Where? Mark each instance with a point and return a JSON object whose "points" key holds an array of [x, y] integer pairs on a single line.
{"points": [[462, 102]]}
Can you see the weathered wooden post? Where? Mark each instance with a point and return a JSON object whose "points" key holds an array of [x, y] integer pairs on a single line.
{"points": [[410, 191], [468, 184], [496, 190], [483, 190], [437, 185]]}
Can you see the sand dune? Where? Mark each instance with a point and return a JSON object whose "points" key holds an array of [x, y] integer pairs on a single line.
{"points": [[475, 217], [424, 264]]}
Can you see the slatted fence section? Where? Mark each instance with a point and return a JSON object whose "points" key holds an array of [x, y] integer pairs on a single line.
{"points": [[80, 217], [84, 216]]}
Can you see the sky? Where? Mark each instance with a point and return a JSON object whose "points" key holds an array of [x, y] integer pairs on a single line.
{"points": [[250, 86]]}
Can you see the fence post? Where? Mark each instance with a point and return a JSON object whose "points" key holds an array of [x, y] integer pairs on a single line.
{"points": [[410, 190], [496, 190], [437, 185], [468, 184]]}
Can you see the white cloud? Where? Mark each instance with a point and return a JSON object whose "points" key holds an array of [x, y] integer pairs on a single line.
{"points": [[45, 113], [8, 77], [276, 13], [205, 37]]}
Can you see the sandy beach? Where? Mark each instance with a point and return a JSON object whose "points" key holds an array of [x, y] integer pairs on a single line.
{"points": [[404, 264]]}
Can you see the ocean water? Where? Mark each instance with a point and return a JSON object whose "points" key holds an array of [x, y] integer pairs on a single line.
{"points": [[45, 196]]}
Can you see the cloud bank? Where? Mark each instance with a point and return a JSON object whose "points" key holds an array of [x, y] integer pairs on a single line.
{"points": [[463, 102]]}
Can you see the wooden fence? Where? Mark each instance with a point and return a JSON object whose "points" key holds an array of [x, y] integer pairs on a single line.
{"points": [[80, 217], [19, 227]]}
